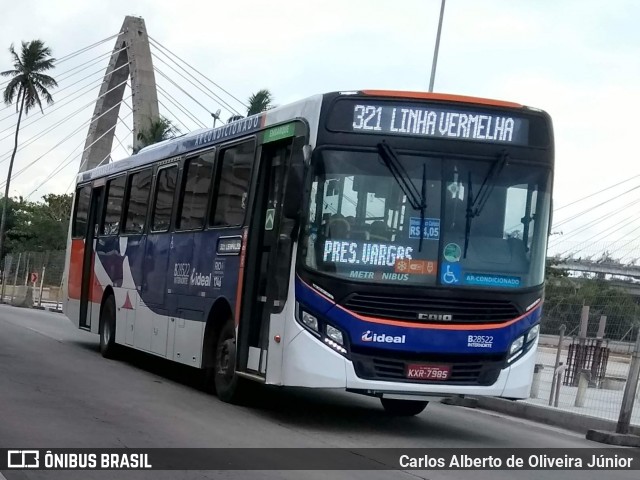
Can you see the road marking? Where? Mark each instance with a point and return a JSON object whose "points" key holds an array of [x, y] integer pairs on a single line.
{"points": [[2, 477]]}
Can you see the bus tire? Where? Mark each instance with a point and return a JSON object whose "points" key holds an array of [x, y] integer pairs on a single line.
{"points": [[229, 387], [108, 328], [403, 408]]}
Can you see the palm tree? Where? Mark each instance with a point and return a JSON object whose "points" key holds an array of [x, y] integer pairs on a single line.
{"points": [[260, 101], [27, 86], [159, 130]]}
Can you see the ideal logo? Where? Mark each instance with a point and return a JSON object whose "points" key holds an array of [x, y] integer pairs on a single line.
{"points": [[199, 280], [370, 336]]}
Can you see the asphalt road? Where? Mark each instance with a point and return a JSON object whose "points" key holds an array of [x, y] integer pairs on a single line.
{"points": [[57, 391]]}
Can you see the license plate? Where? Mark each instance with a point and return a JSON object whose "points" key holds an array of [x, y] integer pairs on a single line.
{"points": [[428, 372]]}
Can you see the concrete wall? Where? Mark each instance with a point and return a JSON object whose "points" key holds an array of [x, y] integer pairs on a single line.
{"points": [[49, 294]]}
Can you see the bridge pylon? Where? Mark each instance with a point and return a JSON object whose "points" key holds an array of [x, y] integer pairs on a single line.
{"points": [[131, 58]]}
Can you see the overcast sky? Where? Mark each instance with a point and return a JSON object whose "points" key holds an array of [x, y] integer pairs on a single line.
{"points": [[578, 60]]}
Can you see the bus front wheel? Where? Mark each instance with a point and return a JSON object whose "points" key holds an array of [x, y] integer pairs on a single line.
{"points": [[229, 387], [108, 328], [403, 408]]}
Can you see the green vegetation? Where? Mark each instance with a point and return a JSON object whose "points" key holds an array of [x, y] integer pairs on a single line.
{"points": [[261, 101], [159, 130], [38, 226], [565, 296]]}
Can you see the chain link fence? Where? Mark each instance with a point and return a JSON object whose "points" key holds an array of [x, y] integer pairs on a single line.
{"points": [[589, 330], [33, 279]]}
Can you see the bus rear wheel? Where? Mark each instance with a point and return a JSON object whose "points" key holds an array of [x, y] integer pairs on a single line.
{"points": [[229, 387], [403, 408], [108, 328]]}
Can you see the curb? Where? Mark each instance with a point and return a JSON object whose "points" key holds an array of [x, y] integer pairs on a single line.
{"points": [[460, 401], [618, 439], [550, 416]]}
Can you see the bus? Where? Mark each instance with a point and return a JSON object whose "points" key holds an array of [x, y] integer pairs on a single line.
{"points": [[385, 243]]}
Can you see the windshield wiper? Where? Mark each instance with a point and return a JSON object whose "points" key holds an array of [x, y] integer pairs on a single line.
{"points": [[418, 200], [476, 205]]}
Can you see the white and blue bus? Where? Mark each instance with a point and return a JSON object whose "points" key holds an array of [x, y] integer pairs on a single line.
{"points": [[386, 243]]}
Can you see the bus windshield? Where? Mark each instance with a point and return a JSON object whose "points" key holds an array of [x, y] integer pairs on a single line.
{"points": [[361, 226]]}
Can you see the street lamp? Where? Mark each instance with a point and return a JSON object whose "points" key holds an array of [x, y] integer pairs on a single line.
{"points": [[216, 116], [435, 53]]}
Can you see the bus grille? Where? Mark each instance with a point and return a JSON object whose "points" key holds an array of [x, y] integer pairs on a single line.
{"points": [[479, 370], [397, 307]]}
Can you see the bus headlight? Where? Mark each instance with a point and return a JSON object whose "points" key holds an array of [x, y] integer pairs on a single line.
{"points": [[533, 333], [328, 334], [516, 345], [310, 321], [334, 334]]}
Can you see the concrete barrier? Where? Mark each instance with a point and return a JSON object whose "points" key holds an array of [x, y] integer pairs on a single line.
{"points": [[23, 297], [613, 383]]}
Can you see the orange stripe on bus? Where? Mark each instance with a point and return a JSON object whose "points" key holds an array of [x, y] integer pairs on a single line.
{"points": [[75, 268], [434, 326], [442, 96]]}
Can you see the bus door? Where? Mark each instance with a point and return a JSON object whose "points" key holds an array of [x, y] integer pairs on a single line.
{"points": [[268, 260], [91, 234]]}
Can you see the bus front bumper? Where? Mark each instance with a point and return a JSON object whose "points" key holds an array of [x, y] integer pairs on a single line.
{"points": [[309, 363]]}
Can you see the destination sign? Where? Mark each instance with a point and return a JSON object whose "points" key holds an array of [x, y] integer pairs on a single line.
{"points": [[433, 121], [229, 245]]}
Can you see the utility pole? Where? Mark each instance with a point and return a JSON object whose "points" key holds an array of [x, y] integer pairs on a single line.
{"points": [[435, 53]]}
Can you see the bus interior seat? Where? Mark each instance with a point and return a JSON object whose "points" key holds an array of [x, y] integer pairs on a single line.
{"points": [[338, 227]]}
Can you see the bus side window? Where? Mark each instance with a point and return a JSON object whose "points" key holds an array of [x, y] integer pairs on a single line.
{"points": [[138, 200], [80, 218], [115, 196], [197, 180], [165, 194], [234, 174]]}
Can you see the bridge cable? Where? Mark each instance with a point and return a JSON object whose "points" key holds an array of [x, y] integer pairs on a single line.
{"points": [[153, 40]]}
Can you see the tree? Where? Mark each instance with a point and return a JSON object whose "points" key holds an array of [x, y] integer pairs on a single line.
{"points": [[552, 271], [260, 101], [565, 296], [39, 226], [27, 85], [160, 129]]}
